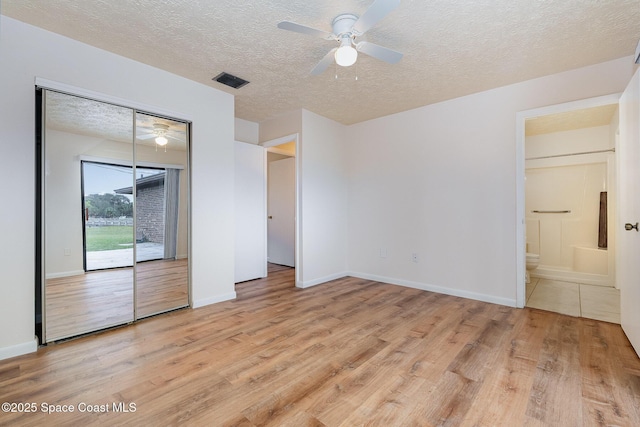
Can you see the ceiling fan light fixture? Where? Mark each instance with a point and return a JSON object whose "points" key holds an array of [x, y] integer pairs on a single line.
{"points": [[346, 55], [161, 141]]}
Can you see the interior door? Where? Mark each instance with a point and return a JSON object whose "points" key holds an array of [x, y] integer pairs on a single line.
{"points": [[628, 269], [250, 204], [281, 208]]}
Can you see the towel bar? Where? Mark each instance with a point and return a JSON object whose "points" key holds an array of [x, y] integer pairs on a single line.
{"points": [[550, 211]]}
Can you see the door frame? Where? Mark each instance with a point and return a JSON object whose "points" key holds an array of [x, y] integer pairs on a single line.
{"points": [[268, 145], [40, 146], [521, 118]]}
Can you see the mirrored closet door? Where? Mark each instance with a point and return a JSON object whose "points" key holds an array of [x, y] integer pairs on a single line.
{"points": [[161, 215], [114, 210]]}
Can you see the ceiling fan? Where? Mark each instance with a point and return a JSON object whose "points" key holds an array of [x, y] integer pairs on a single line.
{"points": [[346, 28], [160, 132]]}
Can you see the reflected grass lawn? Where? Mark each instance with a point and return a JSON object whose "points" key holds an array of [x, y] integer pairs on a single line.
{"points": [[107, 238]]}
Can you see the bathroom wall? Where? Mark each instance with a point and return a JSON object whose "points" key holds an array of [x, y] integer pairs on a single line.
{"points": [[568, 242]]}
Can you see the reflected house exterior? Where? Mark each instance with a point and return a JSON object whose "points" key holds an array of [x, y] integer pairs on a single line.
{"points": [[150, 204]]}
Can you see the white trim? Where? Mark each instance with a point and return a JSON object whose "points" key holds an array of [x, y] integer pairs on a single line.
{"points": [[277, 150], [572, 276], [265, 197], [65, 274], [438, 289], [19, 349], [214, 300], [129, 163], [299, 256], [281, 140], [102, 97], [310, 283], [521, 117]]}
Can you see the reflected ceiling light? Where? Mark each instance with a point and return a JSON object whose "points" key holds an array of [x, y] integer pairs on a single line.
{"points": [[161, 140], [346, 55]]}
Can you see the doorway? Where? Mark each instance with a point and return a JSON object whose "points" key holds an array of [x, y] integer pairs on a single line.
{"points": [[566, 207], [282, 206], [281, 209]]}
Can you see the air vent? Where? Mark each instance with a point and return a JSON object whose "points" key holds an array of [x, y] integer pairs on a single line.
{"points": [[230, 80]]}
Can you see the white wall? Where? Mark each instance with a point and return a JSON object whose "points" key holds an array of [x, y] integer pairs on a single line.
{"points": [[574, 188], [27, 52], [566, 142], [322, 193], [285, 124], [439, 181], [246, 131], [322, 158]]}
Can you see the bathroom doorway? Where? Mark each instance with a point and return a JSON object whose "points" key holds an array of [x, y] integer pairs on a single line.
{"points": [[568, 208]]}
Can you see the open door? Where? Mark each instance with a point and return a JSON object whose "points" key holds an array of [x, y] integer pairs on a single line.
{"points": [[250, 205], [628, 267]]}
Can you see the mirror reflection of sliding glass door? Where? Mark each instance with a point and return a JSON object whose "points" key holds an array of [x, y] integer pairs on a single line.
{"points": [[108, 216], [76, 299]]}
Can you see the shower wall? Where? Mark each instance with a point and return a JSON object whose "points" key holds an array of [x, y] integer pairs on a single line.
{"points": [[563, 205], [574, 189]]}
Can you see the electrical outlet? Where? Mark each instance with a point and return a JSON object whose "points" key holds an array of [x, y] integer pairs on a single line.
{"points": [[67, 252], [383, 252], [414, 257]]}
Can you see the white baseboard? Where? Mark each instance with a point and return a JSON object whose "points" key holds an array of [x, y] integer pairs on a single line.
{"points": [[65, 274], [213, 300], [314, 282], [510, 302], [19, 349], [571, 276]]}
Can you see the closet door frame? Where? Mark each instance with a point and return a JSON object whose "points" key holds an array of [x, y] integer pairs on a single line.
{"points": [[43, 85]]}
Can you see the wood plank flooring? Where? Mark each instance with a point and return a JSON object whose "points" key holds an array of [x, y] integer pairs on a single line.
{"points": [[346, 353], [104, 298]]}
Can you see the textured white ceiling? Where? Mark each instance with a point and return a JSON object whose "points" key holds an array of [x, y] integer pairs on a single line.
{"points": [[450, 48], [83, 116]]}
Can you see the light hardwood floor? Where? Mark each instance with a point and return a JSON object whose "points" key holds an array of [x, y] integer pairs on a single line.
{"points": [[104, 298], [346, 353]]}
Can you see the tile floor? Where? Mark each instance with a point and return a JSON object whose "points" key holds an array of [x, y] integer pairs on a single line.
{"points": [[575, 299]]}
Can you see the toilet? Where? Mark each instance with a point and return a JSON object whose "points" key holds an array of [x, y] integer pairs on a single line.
{"points": [[531, 264]]}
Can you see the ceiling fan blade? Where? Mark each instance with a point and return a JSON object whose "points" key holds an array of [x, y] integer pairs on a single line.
{"points": [[174, 137], [324, 62], [378, 10], [292, 26], [147, 136], [379, 52]]}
